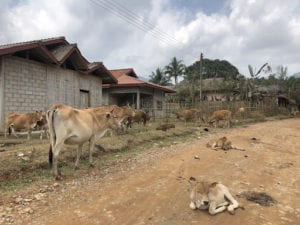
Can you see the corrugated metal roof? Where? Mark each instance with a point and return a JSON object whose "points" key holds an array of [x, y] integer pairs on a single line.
{"points": [[60, 52], [57, 50], [11, 45]]}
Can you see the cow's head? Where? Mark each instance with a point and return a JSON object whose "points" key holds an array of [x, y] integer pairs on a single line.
{"points": [[199, 194], [112, 120], [40, 115]]}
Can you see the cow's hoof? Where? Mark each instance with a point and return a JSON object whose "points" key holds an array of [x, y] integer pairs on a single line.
{"points": [[231, 212]]}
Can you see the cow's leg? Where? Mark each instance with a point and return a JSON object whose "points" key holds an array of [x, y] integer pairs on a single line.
{"points": [[229, 123], [29, 134], [91, 149], [41, 135], [214, 208], [56, 150], [234, 204], [79, 150], [193, 205], [13, 131]]}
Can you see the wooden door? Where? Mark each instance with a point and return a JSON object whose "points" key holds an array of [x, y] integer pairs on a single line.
{"points": [[84, 99]]}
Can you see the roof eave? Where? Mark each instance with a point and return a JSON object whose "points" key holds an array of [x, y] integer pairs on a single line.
{"points": [[107, 86]]}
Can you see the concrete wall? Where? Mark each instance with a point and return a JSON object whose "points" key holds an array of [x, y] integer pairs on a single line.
{"points": [[27, 86]]}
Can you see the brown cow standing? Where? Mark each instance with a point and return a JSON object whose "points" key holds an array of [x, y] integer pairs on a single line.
{"points": [[122, 113], [220, 115], [140, 117], [190, 115], [18, 121]]}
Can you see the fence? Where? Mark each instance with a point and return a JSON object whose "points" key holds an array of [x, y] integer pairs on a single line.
{"points": [[261, 108]]}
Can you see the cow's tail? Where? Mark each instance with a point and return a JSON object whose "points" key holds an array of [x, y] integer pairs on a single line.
{"points": [[50, 156], [50, 119]]}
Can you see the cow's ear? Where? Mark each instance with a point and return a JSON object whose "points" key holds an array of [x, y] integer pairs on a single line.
{"points": [[192, 180]]}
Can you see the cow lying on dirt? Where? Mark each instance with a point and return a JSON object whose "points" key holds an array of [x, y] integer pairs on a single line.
{"points": [[220, 115], [165, 126], [212, 196], [222, 143], [75, 127], [190, 115], [18, 121]]}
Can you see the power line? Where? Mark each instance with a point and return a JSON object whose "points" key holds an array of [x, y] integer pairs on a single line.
{"points": [[134, 19], [147, 24], [130, 20]]}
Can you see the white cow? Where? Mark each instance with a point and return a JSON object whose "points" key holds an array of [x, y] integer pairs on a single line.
{"points": [[75, 127]]}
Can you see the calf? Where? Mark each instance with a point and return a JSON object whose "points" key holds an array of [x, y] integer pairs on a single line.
{"points": [[220, 115], [18, 121], [75, 127]]}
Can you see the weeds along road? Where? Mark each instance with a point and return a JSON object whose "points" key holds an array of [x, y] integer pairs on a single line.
{"points": [[152, 188]]}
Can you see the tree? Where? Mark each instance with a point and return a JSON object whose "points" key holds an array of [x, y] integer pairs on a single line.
{"points": [[250, 83], [159, 77], [175, 69], [191, 81]]}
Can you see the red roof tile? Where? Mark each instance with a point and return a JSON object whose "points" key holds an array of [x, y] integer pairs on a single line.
{"points": [[128, 78]]}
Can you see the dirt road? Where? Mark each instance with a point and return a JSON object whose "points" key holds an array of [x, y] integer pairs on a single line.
{"points": [[152, 188]]}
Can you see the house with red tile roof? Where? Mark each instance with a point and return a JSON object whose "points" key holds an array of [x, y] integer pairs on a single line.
{"points": [[36, 74], [139, 94]]}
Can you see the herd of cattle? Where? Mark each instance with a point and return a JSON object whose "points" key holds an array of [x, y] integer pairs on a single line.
{"points": [[66, 125]]}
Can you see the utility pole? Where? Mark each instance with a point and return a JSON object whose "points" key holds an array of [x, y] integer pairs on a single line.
{"points": [[200, 71]]}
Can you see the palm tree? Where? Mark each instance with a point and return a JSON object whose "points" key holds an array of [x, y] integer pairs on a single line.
{"points": [[175, 69], [159, 77]]}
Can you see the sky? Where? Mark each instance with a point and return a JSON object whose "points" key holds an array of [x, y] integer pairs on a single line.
{"points": [[145, 35]]}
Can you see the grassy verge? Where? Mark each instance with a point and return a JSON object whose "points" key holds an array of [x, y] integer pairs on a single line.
{"points": [[24, 163]]}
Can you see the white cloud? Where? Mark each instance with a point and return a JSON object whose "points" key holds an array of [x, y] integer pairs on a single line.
{"points": [[249, 32]]}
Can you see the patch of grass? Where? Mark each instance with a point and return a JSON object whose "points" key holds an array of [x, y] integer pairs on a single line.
{"points": [[17, 173]]}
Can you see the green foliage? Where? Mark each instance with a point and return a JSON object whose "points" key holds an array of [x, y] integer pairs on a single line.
{"points": [[175, 69], [215, 68], [160, 78]]}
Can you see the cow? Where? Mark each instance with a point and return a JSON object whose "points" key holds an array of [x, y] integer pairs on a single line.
{"points": [[122, 113], [214, 197], [190, 115], [165, 126], [42, 125], [18, 121], [140, 117], [220, 115], [72, 126]]}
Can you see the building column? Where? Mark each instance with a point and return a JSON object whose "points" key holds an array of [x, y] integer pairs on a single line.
{"points": [[138, 99], [2, 80]]}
